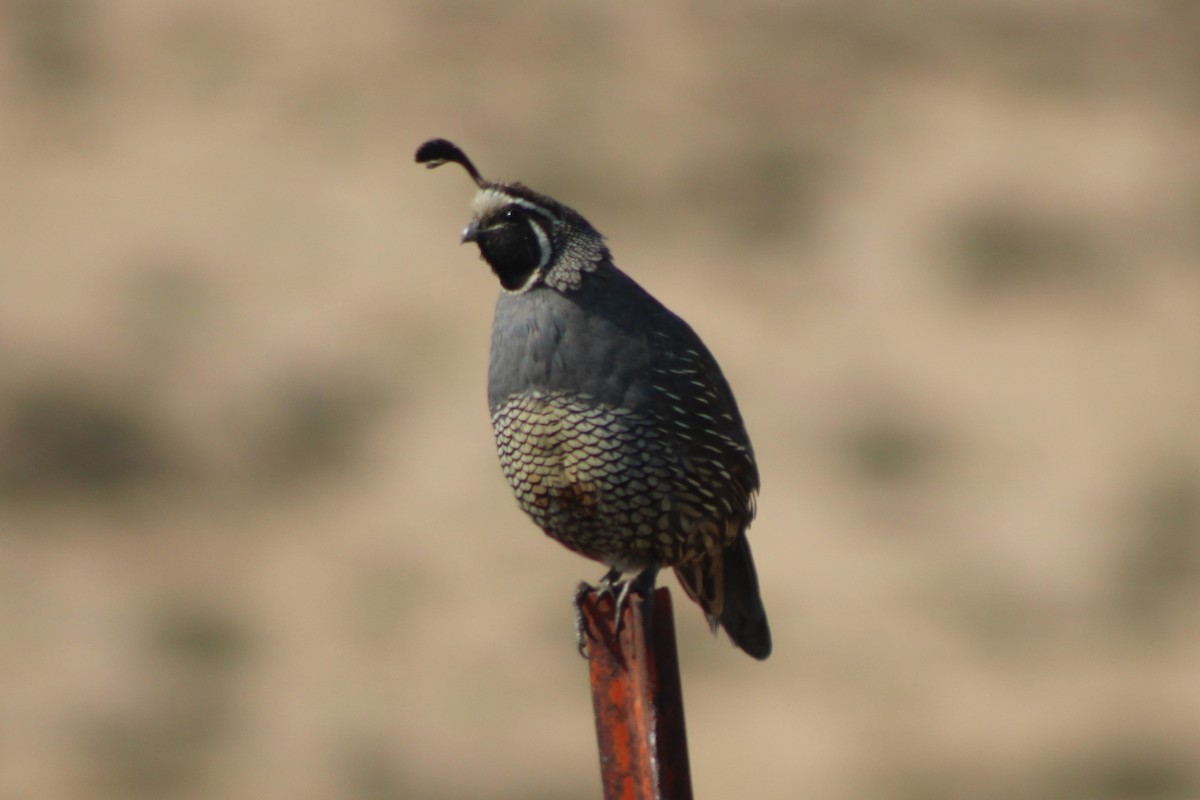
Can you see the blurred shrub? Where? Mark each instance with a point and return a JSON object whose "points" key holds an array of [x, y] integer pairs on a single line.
{"points": [[53, 42], [1001, 250], [1158, 570], [307, 421], [161, 738], [198, 636], [767, 195], [886, 448], [61, 437], [1124, 770]]}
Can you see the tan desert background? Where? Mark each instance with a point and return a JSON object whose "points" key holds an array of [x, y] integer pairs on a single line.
{"points": [[254, 542]]}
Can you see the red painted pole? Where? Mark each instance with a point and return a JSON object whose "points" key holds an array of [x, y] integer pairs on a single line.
{"points": [[637, 699]]}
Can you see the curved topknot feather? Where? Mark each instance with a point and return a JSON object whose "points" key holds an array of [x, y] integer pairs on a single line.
{"points": [[436, 152]]}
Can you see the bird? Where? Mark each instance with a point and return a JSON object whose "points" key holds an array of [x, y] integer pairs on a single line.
{"points": [[614, 425]]}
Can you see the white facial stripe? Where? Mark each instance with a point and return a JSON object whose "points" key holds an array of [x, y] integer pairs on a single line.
{"points": [[534, 277], [490, 201], [543, 245], [528, 206]]}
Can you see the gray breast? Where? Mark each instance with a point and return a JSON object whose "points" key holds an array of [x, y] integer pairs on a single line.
{"points": [[615, 427], [544, 340]]}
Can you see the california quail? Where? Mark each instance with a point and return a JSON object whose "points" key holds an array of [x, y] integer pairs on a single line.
{"points": [[615, 427]]}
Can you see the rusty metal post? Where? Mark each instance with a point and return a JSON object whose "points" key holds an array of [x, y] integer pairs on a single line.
{"points": [[637, 699]]}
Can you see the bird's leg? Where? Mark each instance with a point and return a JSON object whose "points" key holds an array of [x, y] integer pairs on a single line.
{"points": [[581, 636], [611, 584], [605, 586], [644, 582]]}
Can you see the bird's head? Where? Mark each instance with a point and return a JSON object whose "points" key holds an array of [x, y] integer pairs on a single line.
{"points": [[526, 237]]}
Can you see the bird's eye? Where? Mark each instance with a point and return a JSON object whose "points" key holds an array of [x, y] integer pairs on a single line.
{"points": [[511, 213]]}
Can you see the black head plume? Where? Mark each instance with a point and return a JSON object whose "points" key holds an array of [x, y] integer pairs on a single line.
{"points": [[436, 152]]}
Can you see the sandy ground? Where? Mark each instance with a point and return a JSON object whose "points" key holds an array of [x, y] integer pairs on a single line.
{"points": [[253, 539]]}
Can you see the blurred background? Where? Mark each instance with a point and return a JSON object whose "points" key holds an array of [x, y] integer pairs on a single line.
{"points": [[254, 542]]}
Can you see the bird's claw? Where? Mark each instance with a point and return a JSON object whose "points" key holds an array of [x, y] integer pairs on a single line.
{"points": [[612, 585]]}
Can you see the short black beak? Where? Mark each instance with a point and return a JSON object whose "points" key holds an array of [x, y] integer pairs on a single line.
{"points": [[470, 233]]}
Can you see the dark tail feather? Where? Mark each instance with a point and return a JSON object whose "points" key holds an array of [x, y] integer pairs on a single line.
{"points": [[726, 586]]}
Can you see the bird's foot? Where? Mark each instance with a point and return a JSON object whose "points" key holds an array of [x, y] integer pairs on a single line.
{"points": [[612, 585], [603, 587]]}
